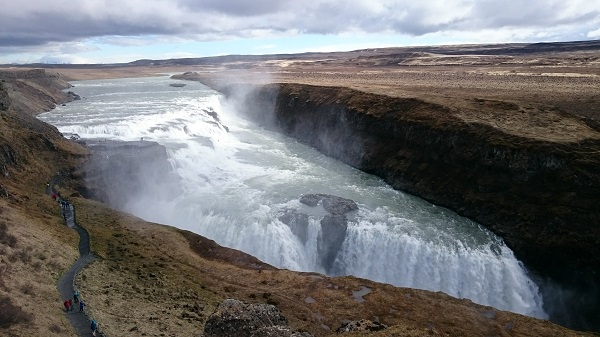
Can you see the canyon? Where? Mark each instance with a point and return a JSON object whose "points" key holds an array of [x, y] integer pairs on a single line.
{"points": [[505, 137]]}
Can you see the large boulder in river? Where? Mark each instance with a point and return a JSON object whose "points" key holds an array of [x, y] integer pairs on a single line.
{"points": [[234, 318], [333, 233], [331, 203], [337, 205], [298, 223], [333, 225]]}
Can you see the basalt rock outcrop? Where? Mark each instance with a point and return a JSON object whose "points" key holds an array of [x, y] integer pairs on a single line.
{"points": [[298, 223], [333, 225], [235, 318], [362, 325], [117, 171], [333, 204], [540, 196]]}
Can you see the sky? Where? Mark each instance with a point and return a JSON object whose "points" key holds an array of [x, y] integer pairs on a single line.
{"points": [[109, 31]]}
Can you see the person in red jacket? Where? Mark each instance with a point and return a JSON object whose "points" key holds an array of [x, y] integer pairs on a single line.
{"points": [[67, 305]]}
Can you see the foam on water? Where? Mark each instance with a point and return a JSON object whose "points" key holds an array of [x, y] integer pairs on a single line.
{"points": [[237, 182]]}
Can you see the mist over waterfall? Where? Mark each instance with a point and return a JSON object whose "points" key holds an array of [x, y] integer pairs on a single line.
{"points": [[242, 186]]}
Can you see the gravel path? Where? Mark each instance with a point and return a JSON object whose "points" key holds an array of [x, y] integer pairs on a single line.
{"points": [[66, 284]]}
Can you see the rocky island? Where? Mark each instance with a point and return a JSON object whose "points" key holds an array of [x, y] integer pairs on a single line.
{"points": [[459, 127]]}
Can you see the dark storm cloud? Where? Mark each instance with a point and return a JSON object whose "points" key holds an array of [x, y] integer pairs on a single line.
{"points": [[238, 8], [33, 22], [30, 22], [49, 29]]}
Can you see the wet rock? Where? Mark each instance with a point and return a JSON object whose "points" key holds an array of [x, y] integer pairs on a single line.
{"points": [[212, 113], [236, 318], [73, 96], [298, 223], [331, 203], [119, 171], [338, 205], [310, 199], [333, 225], [362, 325], [333, 232]]}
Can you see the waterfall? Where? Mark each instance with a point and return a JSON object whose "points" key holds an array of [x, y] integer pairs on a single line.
{"points": [[242, 187]]}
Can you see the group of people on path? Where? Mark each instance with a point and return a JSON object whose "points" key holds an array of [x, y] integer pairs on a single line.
{"points": [[70, 304], [64, 204]]}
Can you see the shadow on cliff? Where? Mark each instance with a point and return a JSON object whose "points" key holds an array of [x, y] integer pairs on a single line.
{"points": [[331, 133]]}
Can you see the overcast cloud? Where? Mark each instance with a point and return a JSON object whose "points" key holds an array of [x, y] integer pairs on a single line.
{"points": [[27, 24]]}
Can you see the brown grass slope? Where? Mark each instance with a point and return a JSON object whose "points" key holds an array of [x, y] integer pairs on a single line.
{"points": [[35, 248], [155, 280]]}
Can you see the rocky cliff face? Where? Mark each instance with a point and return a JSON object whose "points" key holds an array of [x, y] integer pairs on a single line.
{"points": [[24, 93], [119, 171], [541, 197], [34, 90], [4, 98]]}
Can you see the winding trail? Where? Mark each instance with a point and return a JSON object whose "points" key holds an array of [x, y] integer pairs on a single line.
{"points": [[66, 284]]}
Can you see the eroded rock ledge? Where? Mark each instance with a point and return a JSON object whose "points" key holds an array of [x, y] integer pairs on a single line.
{"points": [[117, 171], [540, 196]]}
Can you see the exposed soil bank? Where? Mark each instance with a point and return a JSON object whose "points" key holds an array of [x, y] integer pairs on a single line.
{"points": [[540, 196]]}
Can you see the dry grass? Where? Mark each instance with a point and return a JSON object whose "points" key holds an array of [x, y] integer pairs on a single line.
{"points": [[142, 268], [42, 251], [541, 107], [11, 314], [35, 246]]}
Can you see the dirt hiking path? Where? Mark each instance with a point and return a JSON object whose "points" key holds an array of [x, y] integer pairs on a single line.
{"points": [[66, 284]]}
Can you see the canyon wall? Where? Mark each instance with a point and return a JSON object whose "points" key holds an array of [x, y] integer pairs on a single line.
{"points": [[117, 171], [23, 94], [34, 90], [541, 197]]}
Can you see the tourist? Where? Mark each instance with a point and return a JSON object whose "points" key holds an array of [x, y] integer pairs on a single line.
{"points": [[94, 327], [81, 306]]}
